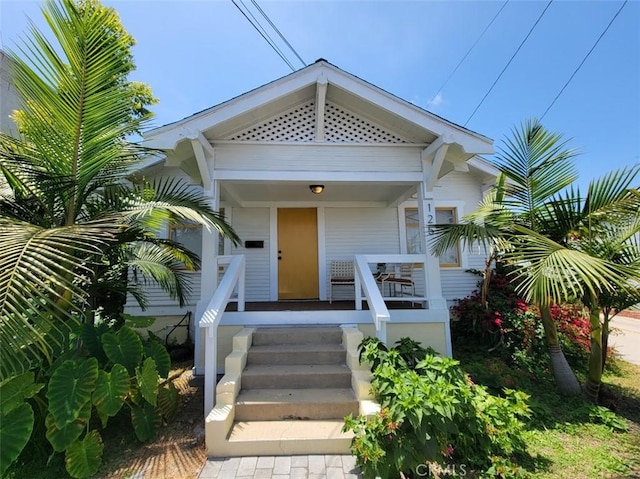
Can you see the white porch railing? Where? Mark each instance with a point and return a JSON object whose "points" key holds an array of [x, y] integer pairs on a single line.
{"points": [[234, 275], [365, 282]]}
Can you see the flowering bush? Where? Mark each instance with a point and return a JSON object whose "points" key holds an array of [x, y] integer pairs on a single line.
{"points": [[434, 417], [512, 328]]}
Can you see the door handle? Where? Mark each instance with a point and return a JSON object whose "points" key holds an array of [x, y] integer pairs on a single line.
{"points": [[279, 257]]}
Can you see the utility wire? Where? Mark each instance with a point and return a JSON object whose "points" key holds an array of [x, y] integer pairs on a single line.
{"points": [[509, 62], [257, 24], [264, 35], [466, 54], [584, 59], [278, 32]]}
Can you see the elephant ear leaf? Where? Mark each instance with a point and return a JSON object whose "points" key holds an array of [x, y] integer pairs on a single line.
{"points": [[61, 438], [70, 388], [15, 430], [148, 378], [90, 335], [146, 420], [168, 401], [83, 458], [124, 348], [111, 391], [14, 391], [155, 350]]}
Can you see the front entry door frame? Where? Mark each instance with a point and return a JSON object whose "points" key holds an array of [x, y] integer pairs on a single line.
{"points": [[273, 250]]}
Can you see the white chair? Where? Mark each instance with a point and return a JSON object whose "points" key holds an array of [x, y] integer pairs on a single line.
{"points": [[341, 275], [399, 281]]}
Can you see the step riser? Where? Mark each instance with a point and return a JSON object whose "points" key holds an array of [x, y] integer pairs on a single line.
{"points": [[263, 337], [295, 357], [296, 381], [306, 411], [282, 448]]}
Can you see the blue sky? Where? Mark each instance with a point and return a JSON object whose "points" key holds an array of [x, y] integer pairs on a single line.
{"points": [[196, 54]]}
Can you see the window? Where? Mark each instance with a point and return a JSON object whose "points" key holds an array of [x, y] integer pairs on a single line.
{"points": [[189, 235], [451, 257]]}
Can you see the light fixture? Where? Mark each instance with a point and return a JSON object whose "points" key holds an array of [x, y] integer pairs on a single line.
{"points": [[316, 189]]}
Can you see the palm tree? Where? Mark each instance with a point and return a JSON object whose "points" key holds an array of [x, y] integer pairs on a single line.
{"points": [[587, 253], [561, 247], [535, 164], [69, 200]]}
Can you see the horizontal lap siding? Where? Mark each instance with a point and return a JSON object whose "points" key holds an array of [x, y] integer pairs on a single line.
{"points": [[253, 224], [460, 187], [317, 158], [157, 297], [351, 231]]}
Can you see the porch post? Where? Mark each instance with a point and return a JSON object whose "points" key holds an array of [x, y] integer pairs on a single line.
{"points": [[433, 285], [208, 276]]}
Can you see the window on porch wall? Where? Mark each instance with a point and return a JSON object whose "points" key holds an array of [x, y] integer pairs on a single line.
{"points": [[189, 234], [451, 257]]}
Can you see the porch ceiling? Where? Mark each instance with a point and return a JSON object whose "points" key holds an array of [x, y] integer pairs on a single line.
{"points": [[253, 193]]}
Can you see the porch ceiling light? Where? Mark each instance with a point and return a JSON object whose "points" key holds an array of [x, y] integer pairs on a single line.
{"points": [[316, 189]]}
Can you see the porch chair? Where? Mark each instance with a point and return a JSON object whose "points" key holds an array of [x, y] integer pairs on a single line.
{"points": [[341, 275], [399, 279]]}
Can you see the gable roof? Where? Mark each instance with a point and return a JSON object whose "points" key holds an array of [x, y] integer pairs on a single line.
{"points": [[395, 117]]}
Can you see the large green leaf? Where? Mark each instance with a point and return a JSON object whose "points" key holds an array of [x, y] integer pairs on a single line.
{"points": [[148, 378], [14, 391], [15, 431], [168, 401], [83, 458], [61, 438], [146, 420], [90, 335], [111, 390], [124, 348], [70, 388], [157, 351]]}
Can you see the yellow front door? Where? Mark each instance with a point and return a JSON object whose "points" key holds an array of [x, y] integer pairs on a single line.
{"points": [[297, 253]]}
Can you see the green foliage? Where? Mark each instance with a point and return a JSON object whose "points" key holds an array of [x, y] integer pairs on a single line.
{"points": [[79, 386], [602, 415], [15, 430], [70, 388], [83, 458], [511, 329], [124, 347], [16, 416], [157, 351], [432, 413]]}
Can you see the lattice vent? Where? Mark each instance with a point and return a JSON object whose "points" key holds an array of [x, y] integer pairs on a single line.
{"points": [[297, 124], [343, 126]]}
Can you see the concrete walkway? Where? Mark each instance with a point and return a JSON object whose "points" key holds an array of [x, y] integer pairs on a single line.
{"points": [[281, 467], [625, 338]]}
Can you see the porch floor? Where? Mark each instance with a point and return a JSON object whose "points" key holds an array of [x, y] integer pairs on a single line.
{"points": [[315, 305]]}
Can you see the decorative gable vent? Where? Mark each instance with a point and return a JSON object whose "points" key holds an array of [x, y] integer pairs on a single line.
{"points": [[297, 124], [345, 127]]}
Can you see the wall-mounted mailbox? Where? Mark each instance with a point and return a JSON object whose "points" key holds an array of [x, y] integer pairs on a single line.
{"points": [[253, 244]]}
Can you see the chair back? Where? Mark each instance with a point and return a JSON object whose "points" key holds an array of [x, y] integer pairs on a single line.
{"points": [[342, 270]]}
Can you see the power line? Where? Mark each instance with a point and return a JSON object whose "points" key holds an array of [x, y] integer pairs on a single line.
{"points": [[466, 54], [584, 59], [279, 33], [264, 34], [509, 62]]}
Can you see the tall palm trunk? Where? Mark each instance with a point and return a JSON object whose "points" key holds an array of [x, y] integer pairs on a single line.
{"points": [[594, 377], [563, 374]]}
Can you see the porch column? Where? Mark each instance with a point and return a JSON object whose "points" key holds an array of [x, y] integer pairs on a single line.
{"points": [[208, 276], [433, 285]]}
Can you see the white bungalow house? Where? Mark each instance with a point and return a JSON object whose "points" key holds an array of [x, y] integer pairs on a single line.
{"points": [[318, 171]]}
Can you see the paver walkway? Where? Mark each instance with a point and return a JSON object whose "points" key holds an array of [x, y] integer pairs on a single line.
{"points": [[282, 467]]}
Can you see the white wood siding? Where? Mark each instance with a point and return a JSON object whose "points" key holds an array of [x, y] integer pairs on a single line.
{"points": [[317, 158], [351, 231], [466, 191], [253, 224], [159, 303]]}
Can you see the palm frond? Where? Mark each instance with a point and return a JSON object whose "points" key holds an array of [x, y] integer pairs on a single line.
{"points": [[40, 285], [548, 272]]}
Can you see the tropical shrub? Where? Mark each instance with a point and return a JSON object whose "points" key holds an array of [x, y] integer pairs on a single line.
{"points": [[433, 417], [512, 329], [113, 372]]}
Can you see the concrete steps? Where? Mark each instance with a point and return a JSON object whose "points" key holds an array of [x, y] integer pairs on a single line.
{"points": [[287, 391]]}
